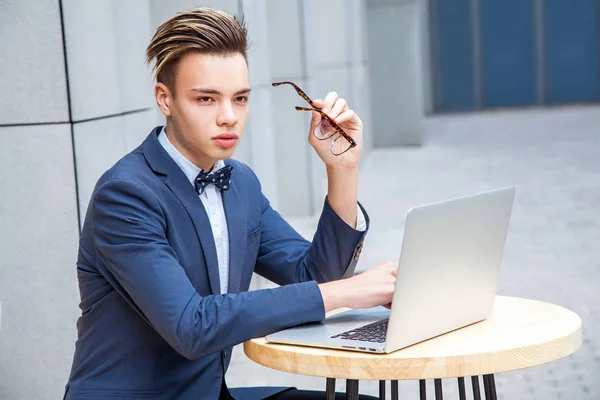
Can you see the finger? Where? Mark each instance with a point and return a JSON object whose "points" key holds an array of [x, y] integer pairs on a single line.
{"points": [[348, 115], [317, 103], [314, 121], [329, 101], [339, 107]]}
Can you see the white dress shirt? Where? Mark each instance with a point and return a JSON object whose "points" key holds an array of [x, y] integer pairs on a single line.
{"points": [[213, 204]]}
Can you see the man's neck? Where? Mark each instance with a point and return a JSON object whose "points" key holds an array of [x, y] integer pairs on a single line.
{"points": [[181, 149]]}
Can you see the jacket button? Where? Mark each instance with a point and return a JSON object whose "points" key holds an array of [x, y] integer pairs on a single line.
{"points": [[225, 353]]}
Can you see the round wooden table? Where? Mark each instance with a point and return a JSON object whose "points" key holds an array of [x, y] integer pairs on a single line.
{"points": [[520, 333]]}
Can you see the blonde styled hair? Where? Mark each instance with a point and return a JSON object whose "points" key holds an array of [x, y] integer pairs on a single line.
{"points": [[204, 30]]}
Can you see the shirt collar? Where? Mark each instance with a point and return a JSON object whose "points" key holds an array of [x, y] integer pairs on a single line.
{"points": [[190, 170]]}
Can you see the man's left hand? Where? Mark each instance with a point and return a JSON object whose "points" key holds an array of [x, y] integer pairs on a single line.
{"points": [[337, 109]]}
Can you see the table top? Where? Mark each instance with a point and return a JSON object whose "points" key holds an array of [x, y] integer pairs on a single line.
{"points": [[519, 333]]}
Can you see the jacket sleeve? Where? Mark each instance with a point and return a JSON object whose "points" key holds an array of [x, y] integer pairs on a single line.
{"points": [[129, 231], [286, 257]]}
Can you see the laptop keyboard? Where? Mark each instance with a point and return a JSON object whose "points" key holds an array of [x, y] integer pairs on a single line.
{"points": [[369, 333]]}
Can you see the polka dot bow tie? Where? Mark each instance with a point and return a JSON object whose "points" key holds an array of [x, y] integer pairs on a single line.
{"points": [[221, 178]]}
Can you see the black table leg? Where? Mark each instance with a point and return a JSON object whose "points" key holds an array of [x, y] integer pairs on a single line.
{"points": [[486, 388], [422, 389], [438, 389], [351, 389], [394, 385], [489, 386], [493, 387], [476, 389], [330, 389], [462, 395]]}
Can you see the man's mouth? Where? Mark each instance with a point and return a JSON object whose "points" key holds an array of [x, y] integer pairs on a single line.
{"points": [[226, 140]]}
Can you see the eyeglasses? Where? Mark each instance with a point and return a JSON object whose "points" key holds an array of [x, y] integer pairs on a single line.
{"points": [[342, 142]]}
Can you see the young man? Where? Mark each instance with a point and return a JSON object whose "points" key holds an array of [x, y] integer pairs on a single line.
{"points": [[176, 228]]}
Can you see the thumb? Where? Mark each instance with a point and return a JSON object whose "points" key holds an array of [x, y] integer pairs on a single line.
{"points": [[316, 117], [314, 121]]}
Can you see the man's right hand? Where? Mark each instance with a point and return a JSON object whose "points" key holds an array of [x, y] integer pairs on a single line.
{"points": [[372, 288]]}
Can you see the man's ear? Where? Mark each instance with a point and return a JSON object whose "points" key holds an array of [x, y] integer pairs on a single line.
{"points": [[163, 98]]}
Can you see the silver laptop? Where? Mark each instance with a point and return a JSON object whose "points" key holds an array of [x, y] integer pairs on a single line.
{"points": [[447, 278]]}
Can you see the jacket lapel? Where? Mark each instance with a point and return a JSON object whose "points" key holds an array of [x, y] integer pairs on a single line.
{"points": [[161, 162], [236, 226]]}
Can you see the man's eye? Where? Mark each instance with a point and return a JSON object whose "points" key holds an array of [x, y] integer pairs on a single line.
{"points": [[204, 99], [242, 99]]}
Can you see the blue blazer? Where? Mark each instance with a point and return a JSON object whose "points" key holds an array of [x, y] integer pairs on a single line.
{"points": [[154, 324]]}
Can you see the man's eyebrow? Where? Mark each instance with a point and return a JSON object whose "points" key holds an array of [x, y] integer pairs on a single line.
{"points": [[216, 92], [206, 91]]}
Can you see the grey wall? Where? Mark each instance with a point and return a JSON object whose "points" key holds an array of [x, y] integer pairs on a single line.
{"points": [[426, 48], [334, 60], [65, 120], [396, 53], [110, 89], [38, 208], [39, 235]]}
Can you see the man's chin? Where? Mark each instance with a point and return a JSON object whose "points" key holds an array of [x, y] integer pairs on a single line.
{"points": [[222, 154]]}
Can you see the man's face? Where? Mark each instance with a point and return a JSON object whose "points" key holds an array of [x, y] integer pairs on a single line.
{"points": [[210, 108]]}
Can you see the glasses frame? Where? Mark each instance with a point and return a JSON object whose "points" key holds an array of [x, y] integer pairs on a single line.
{"points": [[338, 130]]}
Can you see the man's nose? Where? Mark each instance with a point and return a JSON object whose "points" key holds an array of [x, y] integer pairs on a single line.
{"points": [[226, 115]]}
